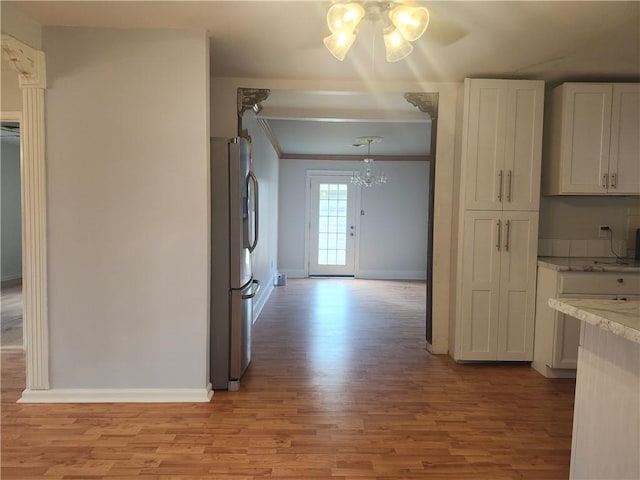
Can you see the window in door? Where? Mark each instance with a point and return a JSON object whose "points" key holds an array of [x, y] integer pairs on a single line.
{"points": [[332, 226]]}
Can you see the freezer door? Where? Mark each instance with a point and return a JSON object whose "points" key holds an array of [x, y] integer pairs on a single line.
{"points": [[241, 324]]}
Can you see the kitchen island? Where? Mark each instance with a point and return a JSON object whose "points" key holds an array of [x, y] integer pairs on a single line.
{"points": [[606, 420]]}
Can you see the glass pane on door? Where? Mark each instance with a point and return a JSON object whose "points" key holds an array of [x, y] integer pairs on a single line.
{"points": [[332, 223]]}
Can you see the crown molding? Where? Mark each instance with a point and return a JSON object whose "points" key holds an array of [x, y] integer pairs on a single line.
{"points": [[251, 99], [356, 158], [271, 136], [425, 102]]}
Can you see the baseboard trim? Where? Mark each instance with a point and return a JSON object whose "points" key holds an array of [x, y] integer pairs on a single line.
{"points": [[392, 274], [371, 274], [295, 273], [11, 280], [262, 301], [118, 395], [12, 347]]}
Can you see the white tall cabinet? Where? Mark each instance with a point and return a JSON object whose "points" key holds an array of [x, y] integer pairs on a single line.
{"points": [[497, 228]]}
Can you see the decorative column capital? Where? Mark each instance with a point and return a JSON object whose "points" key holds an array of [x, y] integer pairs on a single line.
{"points": [[251, 98], [425, 102], [27, 61]]}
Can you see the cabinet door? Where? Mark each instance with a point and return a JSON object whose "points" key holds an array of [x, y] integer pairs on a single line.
{"points": [[523, 145], [480, 285], [565, 341], [483, 164], [624, 161], [517, 285], [586, 128]]}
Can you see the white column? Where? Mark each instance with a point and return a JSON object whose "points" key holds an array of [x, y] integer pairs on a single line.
{"points": [[30, 65], [34, 228]]}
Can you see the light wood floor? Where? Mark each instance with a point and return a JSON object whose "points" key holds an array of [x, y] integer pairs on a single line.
{"points": [[11, 315], [340, 387]]}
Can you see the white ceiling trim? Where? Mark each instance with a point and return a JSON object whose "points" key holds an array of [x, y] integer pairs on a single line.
{"points": [[273, 139]]}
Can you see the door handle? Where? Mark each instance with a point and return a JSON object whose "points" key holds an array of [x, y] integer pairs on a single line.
{"points": [[509, 186], [507, 227], [254, 291], [500, 187], [499, 235], [614, 182], [605, 181], [252, 177]]}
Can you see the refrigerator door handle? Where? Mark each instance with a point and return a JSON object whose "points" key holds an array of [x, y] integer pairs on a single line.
{"points": [[254, 179], [254, 291]]}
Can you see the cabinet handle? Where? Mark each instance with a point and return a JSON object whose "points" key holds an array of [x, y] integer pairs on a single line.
{"points": [[500, 188], [605, 181], [499, 235], [614, 181], [509, 186], [507, 227]]}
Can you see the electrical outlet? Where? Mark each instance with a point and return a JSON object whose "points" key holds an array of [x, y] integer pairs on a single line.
{"points": [[603, 231]]}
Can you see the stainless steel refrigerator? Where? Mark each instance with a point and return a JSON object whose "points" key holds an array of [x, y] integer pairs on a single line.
{"points": [[234, 236]]}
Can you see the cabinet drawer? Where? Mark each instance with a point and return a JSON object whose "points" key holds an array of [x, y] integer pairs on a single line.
{"points": [[599, 283]]}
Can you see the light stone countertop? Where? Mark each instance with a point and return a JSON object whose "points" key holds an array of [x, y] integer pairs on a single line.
{"points": [[589, 264], [616, 316]]}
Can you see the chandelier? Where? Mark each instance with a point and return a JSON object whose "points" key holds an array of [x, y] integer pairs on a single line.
{"points": [[368, 175], [401, 25]]}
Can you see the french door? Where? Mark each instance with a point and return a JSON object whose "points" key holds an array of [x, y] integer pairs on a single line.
{"points": [[332, 225]]}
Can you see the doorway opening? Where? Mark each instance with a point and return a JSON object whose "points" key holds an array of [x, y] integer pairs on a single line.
{"points": [[304, 128], [11, 316]]}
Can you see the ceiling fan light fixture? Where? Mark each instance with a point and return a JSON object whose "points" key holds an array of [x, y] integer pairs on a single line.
{"points": [[411, 22], [339, 43], [397, 47], [344, 17], [402, 24]]}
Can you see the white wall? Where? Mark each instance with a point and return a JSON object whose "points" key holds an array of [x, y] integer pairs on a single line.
{"points": [[27, 31], [11, 261], [265, 166], [10, 96], [128, 218], [20, 26], [569, 226], [578, 217], [393, 231]]}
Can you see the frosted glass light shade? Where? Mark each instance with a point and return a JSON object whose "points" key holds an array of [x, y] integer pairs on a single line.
{"points": [[340, 43], [411, 22], [396, 46], [344, 17]]}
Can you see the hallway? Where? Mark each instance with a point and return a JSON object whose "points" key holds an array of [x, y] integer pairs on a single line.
{"points": [[11, 316], [340, 387]]}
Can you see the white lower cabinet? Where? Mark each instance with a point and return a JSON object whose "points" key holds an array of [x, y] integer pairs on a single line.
{"points": [[557, 335], [496, 286]]}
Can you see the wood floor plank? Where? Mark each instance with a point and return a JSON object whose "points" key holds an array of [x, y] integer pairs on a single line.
{"points": [[340, 387]]}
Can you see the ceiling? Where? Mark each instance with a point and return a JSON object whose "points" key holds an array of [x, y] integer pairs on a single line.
{"points": [[548, 40], [326, 125]]}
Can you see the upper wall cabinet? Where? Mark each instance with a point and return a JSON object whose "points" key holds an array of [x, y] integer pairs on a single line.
{"points": [[502, 144], [592, 141]]}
